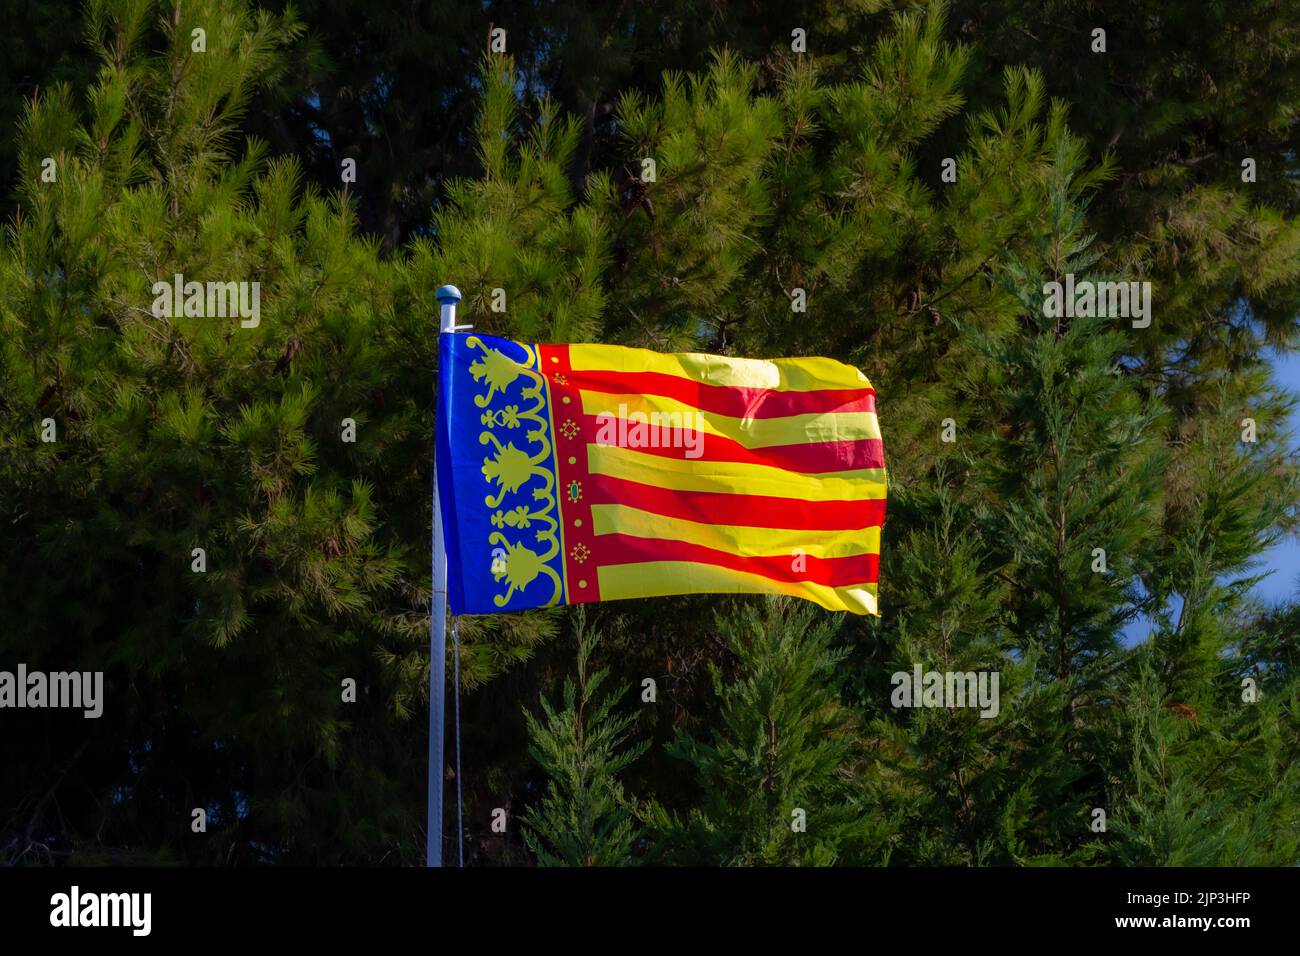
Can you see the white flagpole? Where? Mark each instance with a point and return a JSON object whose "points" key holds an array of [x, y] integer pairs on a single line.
{"points": [[448, 296]]}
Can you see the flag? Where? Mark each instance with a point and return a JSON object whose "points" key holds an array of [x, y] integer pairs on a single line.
{"points": [[577, 473]]}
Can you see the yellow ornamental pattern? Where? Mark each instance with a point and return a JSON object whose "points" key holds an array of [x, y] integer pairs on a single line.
{"points": [[525, 516]]}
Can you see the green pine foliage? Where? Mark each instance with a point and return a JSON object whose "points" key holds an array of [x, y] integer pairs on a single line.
{"points": [[913, 181], [777, 780], [1212, 788], [585, 819]]}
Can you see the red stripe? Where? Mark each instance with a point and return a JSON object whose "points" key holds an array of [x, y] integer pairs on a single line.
{"points": [[731, 400], [572, 435], [808, 458], [831, 572], [751, 511]]}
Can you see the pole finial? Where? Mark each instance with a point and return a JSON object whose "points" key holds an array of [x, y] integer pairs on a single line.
{"points": [[448, 293]]}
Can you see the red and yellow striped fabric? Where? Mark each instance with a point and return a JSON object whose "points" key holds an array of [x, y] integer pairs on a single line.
{"points": [[778, 486]]}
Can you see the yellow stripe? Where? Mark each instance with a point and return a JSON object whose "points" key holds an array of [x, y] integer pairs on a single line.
{"points": [[787, 375], [746, 542], [749, 432], [736, 477], [662, 578]]}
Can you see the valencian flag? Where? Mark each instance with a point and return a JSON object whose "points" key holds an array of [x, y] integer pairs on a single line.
{"points": [[577, 473]]}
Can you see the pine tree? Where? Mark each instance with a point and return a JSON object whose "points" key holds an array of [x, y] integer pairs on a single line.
{"points": [[968, 786], [775, 779], [1197, 794], [202, 530], [908, 180], [585, 819]]}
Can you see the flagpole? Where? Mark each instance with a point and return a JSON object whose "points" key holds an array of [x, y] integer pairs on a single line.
{"points": [[447, 296]]}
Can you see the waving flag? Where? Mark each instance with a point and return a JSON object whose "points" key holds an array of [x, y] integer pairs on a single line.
{"points": [[577, 473]]}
